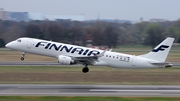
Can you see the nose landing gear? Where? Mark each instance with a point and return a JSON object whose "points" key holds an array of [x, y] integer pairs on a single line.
{"points": [[23, 55]]}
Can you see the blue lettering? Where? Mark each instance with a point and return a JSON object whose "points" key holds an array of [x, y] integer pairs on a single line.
{"points": [[161, 48], [86, 52], [47, 45], [40, 44], [55, 47], [80, 50], [94, 53], [70, 49], [66, 48]]}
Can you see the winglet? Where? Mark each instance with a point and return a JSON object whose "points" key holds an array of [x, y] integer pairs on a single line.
{"points": [[110, 50], [100, 55]]}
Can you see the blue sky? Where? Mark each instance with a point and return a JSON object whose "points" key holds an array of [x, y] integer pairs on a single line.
{"points": [[104, 9]]}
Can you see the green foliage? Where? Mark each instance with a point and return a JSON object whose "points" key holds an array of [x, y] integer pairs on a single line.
{"points": [[173, 32], [33, 31], [2, 43], [153, 34], [102, 33]]}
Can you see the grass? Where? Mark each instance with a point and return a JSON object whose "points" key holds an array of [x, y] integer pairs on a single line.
{"points": [[11, 55], [97, 75], [56, 98]]}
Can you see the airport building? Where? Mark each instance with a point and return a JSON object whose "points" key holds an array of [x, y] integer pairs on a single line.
{"points": [[4, 15], [28, 16], [18, 16], [158, 20]]}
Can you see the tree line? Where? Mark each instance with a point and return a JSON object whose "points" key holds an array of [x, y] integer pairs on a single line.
{"points": [[111, 34]]}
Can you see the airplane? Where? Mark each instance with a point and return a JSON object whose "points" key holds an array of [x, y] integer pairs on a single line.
{"points": [[67, 54]]}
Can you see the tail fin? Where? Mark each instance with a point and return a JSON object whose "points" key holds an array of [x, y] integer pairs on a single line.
{"points": [[161, 51]]}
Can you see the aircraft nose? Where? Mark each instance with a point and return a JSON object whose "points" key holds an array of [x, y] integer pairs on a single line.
{"points": [[8, 45]]}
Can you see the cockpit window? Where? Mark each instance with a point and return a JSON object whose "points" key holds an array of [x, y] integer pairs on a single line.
{"points": [[18, 40]]}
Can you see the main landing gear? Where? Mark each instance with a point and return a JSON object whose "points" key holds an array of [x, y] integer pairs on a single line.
{"points": [[23, 55], [85, 69]]}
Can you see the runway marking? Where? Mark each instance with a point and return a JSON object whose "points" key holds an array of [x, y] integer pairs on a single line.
{"points": [[87, 90], [37, 93], [59, 94], [114, 90]]}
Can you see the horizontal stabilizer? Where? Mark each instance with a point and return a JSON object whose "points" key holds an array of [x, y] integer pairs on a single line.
{"points": [[166, 64]]}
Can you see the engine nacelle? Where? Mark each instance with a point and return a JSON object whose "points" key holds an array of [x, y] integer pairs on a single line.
{"points": [[65, 60]]}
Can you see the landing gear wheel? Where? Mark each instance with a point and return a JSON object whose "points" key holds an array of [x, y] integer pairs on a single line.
{"points": [[23, 55], [22, 58], [85, 70]]}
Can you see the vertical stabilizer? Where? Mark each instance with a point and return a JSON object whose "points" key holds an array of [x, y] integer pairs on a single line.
{"points": [[161, 51]]}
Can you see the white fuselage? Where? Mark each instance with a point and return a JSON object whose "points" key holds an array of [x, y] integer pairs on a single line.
{"points": [[55, 49]]}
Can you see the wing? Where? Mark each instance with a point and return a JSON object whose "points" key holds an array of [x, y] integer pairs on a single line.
{"points": [[87, 59]]}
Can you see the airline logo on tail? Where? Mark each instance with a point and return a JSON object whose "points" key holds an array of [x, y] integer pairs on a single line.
{"points": [[160, 48]]}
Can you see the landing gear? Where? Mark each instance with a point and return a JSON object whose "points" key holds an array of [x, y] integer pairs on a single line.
{"points": [[22, 58], [23, 54], [85, 69]]}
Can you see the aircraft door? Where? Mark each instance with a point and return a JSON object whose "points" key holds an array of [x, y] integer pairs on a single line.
{"points": [[29, 43], [134, 60]]}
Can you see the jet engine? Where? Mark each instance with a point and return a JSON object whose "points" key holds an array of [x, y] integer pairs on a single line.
{"points": [[65, 60]]}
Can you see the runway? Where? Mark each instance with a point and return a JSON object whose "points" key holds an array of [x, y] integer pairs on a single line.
{"points": [[22, 63], [83, 90], [88, 90]]}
